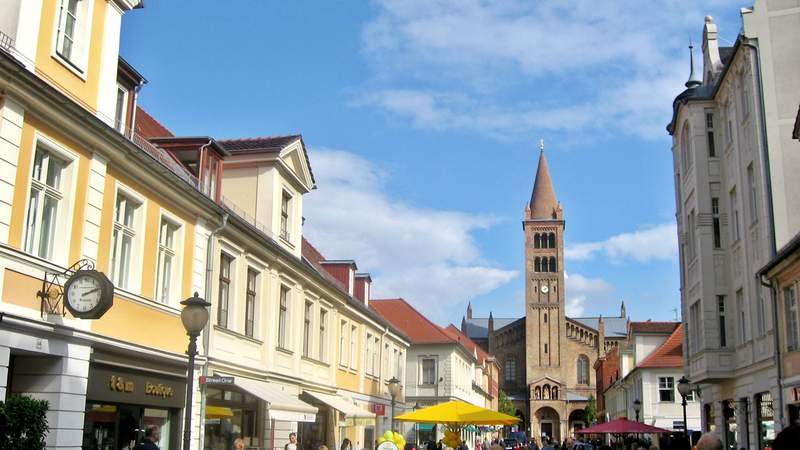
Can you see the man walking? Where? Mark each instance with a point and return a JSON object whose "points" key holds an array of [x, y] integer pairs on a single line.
{"points": [[152, 434]]}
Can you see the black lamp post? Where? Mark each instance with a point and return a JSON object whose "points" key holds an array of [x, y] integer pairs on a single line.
{"points": [[416, 425], [194, 317], [394, 391], [684, 388], [637, 406]]}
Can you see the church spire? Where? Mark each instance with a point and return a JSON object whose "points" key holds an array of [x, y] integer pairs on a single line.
{"points": [[544, 204]]}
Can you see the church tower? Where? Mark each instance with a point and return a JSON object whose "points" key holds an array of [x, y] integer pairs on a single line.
{"points": [[544, 283]]}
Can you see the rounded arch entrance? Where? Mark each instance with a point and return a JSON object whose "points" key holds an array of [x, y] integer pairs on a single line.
{"points": [[546, 423], [577, 420]]}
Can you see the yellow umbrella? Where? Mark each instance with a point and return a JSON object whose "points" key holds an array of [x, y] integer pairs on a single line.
{"points": [[458, 413]]}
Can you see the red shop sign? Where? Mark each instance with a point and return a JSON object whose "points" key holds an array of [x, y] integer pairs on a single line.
{"points": [[378, 409]]}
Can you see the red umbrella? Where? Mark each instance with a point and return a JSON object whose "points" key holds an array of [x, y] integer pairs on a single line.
{"points": [[622, 426]]}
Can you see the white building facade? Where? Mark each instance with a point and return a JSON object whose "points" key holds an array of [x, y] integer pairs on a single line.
{"points": [[735, 168]]}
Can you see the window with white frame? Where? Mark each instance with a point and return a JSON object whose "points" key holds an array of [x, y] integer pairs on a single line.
{"points": [[223, 297], [286, 200], [716, 227], [166, 266], [45, 204], [686, 157], [283, 318], [250, 302], [376, 357], [69, 29], [734, 216], [723, 341], [125, 239], [323, 334], [583, 370], [761, 319], [666, 389], [740, 306], [396, 360], [368, 354], [694, 326], [428, 371], [307, 314], [343, 343], [751, 185], [121, 109], [792, 327], [712, 151], [353, 346]]}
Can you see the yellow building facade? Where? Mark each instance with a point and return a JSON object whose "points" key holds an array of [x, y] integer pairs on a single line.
{"points": [[88, 180]]}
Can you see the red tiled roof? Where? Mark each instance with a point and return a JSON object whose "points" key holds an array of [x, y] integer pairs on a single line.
{"points": [[148, 127], [259, 144], [669, 354], [416, 326], [466, 342], [311, 253], [653, 327]]}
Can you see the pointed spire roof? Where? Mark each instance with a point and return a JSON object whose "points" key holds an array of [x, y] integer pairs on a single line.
{"points": [[543, 199], [694, 79]]}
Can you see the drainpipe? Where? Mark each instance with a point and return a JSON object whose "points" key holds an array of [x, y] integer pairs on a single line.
{"points": [[203, 150], [771, 219], [207, 330]]}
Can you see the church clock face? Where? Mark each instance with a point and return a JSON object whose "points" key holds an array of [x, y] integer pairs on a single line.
{"points": [[545, 289]]}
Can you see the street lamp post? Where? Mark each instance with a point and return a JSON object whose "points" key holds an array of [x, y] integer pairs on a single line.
{"points": [[637, 406], [194, 317], [684, 388], [416, 425], [394, 391]]}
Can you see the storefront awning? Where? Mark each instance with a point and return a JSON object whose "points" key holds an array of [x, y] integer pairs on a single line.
{"points": [[282, 405], [350, 410], [218, 412]]}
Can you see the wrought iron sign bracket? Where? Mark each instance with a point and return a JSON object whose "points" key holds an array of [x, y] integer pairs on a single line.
{"points": [[52, 293]]}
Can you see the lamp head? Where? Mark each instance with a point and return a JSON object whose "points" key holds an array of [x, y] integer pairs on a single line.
{"points": [[194, 314], [684, 387], [637, 405], [394, 387]]}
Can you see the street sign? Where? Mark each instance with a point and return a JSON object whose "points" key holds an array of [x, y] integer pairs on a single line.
{"points": [[216, 380], [677, 425]]}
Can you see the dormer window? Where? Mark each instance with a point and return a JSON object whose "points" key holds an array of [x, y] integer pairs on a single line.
{"points": [[67, 30], [121, 109], [285, 225], [72, 34]]}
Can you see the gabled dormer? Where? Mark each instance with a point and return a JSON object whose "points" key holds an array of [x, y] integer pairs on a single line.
{"points": [[266, 178], [202, 156], [129, 82]]}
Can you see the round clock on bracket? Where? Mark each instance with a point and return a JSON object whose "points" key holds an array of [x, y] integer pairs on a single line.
{"points": [[88, 294]]}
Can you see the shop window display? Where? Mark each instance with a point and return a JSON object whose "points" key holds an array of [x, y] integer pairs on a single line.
{"points": [[230, 414]]}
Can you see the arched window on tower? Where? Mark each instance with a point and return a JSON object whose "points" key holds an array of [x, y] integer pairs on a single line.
{"points": [[552, 240], [545, 265], [583, 369], [536, 242], [537, 264], [545, 317], [553, 264]]}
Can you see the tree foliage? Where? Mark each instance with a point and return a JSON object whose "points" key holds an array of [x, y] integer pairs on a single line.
{"points": [[23, 423], [591, 410], [505, 405]]}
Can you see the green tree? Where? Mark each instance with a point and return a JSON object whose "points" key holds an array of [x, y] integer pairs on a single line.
{"points": [[23, 423], [505, 405], [591, 410]]}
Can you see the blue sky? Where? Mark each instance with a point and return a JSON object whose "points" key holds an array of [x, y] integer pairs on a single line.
{"points": [[423, 120]]}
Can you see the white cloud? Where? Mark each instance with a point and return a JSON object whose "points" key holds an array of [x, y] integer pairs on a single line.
{"points": [[427, 256], [462, 64], [656, 243], [576, 306]]}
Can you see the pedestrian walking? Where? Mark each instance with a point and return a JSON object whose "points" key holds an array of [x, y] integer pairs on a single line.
{"points": [[292, 445], [152, 434]]}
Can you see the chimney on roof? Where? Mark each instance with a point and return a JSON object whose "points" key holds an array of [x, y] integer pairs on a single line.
{"points": [[712, 63], [363, 287], [344, 271]]}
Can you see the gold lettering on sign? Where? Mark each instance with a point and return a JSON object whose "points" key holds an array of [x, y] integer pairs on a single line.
{"points": [[119, 384], [158, 390]]}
